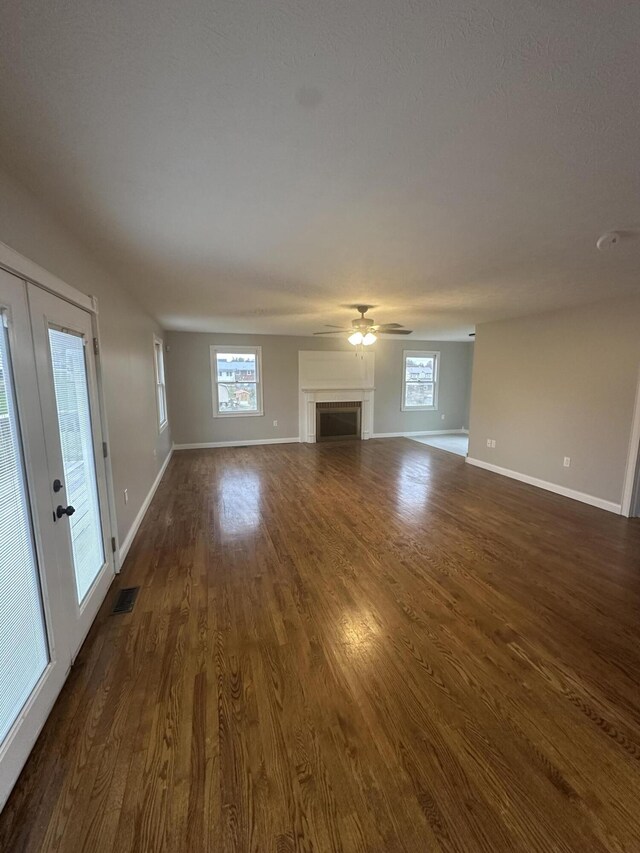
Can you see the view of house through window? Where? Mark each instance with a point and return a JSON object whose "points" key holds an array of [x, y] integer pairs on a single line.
{"points": [[237, 381], [420, 380]]}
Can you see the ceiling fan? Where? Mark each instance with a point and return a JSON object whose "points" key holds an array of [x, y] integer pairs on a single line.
{"points": [[364, 331]]}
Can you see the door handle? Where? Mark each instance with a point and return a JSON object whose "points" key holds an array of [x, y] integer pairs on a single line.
{"points": [[57, 485], [65, 510]]}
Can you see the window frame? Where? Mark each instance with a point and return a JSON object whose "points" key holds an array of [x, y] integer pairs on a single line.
{"points": [[214, 349], [435, 354], [160, 383]]}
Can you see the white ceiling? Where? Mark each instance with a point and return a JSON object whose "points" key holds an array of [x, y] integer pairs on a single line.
{"points": [[250, 165]]}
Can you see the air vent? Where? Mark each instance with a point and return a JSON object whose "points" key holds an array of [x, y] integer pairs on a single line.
{"points": [[126, 599]]}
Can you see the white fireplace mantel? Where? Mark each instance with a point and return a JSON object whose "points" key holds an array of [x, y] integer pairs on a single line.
{"points": [[342, 390], [335, 377]]}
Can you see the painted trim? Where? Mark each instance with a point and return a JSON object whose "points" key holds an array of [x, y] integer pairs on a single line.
{"points": [[307, 409], [33, 273], [209, 445], [131, 535], [161, 382], [214, 349], [549, 487], [345, 390], [632, 473], [22, 267], [421, 432], [436, 380], [102, 402]]}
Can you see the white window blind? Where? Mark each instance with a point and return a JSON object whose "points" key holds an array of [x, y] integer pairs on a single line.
{"points": [[81, 489], [23, 644]]}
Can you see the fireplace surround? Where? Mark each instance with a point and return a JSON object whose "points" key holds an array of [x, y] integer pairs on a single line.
{"points": [[337, 377]]}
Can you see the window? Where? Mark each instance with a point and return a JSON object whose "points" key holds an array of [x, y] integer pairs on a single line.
{"points": [[420, 381], [76, 442], [237, 381], [161, 390], [24, 652]]}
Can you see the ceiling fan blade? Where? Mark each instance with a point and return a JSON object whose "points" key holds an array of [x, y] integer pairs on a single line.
{"points": [[394, 331], [331, 326], [336, 332], [382, 326]]}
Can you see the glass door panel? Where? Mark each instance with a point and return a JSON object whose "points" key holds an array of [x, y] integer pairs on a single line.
{"points": [[76, 440], [24, 652]]}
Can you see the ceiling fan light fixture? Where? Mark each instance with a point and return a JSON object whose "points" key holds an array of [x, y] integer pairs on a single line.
{"points": [[364, 331]]}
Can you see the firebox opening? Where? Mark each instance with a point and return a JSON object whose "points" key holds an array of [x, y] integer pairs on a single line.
{"points": [[337, 421]]}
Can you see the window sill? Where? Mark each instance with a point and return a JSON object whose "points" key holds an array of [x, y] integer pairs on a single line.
{"points": [[418, 408], [238, 414]]}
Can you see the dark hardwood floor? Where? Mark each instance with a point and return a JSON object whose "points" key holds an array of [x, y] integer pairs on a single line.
{"points": [[357, 647]]}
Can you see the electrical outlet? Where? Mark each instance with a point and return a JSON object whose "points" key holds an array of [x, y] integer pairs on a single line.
{"points": [[567, 462], [488, 442], [493, 442], [441, 417], [126, 496], [275, 423]]}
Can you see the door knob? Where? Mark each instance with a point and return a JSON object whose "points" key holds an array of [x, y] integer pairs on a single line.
{"points": [[57, 485], [65, 510]]}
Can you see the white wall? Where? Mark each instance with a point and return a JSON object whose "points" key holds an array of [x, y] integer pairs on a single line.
{"points": [[556, 385], [127, 343], [189, 386]]}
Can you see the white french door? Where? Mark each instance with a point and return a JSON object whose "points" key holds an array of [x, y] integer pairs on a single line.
{"points": [[65, 363], [55, 567]]}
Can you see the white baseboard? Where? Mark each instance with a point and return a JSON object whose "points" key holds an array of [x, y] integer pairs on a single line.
{"points": [[549, 487], [131, 535], [420, 433], [205, 445]]}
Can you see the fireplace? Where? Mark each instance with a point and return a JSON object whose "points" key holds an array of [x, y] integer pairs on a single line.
{"points": [[344, 379], [338, 421]]}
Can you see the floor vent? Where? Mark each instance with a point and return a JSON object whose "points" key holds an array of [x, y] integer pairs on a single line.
{"points": [[126, 599]]}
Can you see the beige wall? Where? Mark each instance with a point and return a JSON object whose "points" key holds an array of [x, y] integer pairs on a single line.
{"points": [[556, 385], [190, 396], [127, 343]]}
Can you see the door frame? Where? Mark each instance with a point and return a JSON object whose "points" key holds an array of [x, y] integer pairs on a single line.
{"points": [[37, 707], [15, 263], [631, 488]]}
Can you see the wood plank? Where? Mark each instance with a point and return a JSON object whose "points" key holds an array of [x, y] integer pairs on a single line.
{"points": [[367, 646]]}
